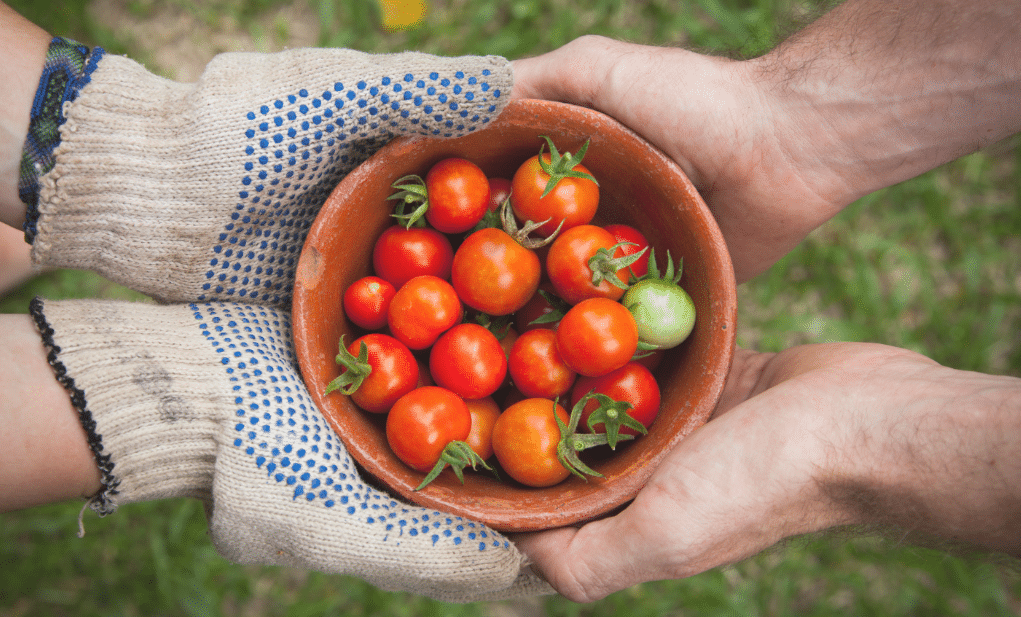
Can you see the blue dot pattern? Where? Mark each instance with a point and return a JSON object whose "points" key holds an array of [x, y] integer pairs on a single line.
{"points": [[298, 147], [282, 433]]}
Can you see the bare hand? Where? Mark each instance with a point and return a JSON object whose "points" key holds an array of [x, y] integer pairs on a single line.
{"points": [[709, 115], [803, 440]]}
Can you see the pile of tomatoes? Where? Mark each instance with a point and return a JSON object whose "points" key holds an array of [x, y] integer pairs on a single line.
{"points": [[532, 341]]}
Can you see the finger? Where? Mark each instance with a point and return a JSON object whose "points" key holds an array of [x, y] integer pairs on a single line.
{"points": [[575, 561], [570, 74]]}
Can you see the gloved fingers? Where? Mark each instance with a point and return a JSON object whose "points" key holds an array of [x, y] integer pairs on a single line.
{"points": [[206, 191]]}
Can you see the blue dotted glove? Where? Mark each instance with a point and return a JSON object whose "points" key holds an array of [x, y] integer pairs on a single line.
{"points": [[206, 191], [198, 193], [203, 400]]}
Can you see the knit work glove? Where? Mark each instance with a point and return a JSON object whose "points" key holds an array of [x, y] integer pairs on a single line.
{"points": [[205, 191], [203, 400], [201, 192]]}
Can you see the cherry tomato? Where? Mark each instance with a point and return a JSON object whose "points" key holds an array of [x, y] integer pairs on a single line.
{"points": [[494, 274], [536, 367], [573, 200], [499, 191], [568, 264], [421, 424], [394, 372], [422, 309], [400, 254], [468, 360], [631, 383], [597, 336], [637, 242], [663, 311], [525, 439], [458, 195], [484, 412], [367, 300]]}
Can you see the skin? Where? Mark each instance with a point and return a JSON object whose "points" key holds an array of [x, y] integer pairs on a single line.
{"points": [[871, 94], [813, 440], [814, 437], [37, 414]]}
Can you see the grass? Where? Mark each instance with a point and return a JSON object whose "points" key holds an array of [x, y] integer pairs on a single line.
{"points": [[931, 264]]}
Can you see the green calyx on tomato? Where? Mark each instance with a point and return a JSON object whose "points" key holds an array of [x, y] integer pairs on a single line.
{"points": [[357, 369], [572, 442], [613, 415], [411, 193], [562, 166], [458, 455], [604, 265], [663, 311]]}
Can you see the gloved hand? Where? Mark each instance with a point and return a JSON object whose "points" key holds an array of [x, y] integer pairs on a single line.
{"points": [[203, 192], [206, 191]]}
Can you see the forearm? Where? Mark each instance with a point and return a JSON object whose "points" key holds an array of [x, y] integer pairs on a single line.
{"points": [[45, 456], [24, 46], [949, 467], [876, 92]]}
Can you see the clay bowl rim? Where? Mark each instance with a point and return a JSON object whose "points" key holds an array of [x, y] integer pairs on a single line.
{"points": [[506, 506]]}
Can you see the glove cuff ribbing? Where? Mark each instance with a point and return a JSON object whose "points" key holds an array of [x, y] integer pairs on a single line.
{"points": [[144, 394]]}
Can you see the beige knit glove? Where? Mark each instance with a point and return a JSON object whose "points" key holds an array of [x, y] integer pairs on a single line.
{"points": [[205, 191], [203, 400]]}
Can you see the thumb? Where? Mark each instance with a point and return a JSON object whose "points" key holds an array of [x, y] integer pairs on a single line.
{"points": [[574, 73]]}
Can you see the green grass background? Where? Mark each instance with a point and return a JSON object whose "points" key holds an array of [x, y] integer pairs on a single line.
{"points": [[933, 264]]}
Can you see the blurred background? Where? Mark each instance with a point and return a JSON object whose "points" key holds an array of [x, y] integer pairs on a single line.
{"points": [[933, 265]]}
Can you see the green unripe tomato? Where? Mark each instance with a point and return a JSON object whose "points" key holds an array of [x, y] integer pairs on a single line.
{"points": [[662, 310]]}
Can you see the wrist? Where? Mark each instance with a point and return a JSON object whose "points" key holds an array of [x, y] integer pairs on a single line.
{"points": [[873, 93], [142, 389], [937, 456], [24, 46]]}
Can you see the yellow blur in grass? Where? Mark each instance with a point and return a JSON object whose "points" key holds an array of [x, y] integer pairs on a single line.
{"points": [[402, 14]]}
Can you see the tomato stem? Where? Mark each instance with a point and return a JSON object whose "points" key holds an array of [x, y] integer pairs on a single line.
{"points": [[356, 369], [562, 166], [613, 414], [510, 227], [411, 192], [457, 454], [604, 265], [572, 442]]}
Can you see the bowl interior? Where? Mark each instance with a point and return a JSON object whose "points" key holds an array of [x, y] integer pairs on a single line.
{"points": [[638, 186]]}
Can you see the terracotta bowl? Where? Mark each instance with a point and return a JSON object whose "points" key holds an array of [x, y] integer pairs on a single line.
{"points": [[640, 186]]}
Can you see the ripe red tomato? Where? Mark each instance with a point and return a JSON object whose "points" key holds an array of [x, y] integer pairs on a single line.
{"points": [[400, 254], [494, 274], [422, 309], [573, 200], [484, 412], [421, 424], [631, 383], [458, 193], [567, 264], [525, 439], [468, 360], [597, 336], [394, 372], [536, 368], [637, 242], [367, 300]]}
